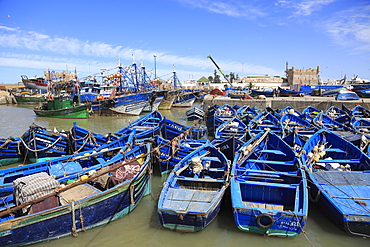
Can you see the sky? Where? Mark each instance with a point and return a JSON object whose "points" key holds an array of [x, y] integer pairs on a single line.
{"points": [[245, 37]]}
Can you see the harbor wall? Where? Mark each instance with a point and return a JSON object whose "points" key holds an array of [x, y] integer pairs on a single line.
{"points": [[6, 98], [299, 103]]}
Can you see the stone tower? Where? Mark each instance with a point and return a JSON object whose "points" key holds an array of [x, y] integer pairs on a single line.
{"points": [[302, 76]]}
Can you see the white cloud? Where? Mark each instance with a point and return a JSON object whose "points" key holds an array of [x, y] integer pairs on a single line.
{"points": [[230, 8], [350, 28], [306, 7], [90, 56]]}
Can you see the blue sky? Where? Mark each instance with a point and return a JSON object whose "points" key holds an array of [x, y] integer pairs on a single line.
{"points": [[246, 37]]}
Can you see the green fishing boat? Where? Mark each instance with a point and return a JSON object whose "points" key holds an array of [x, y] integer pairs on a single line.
{"points": [[23, 98], [62, 106]]}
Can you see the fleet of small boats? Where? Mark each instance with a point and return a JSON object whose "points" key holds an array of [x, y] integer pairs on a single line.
{"points": [[273, 162]]}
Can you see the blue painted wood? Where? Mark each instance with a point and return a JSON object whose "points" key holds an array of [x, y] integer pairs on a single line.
{"points": [[339, 181], [95, 210], [268, 187], [191, 199]]}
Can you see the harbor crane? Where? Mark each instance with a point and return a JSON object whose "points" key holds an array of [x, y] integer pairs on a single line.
{"points": [[219, 69]]}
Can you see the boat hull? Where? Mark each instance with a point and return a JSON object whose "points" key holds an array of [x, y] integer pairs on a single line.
{"points": [[154, 106], [123, 105], [168, 99], [10, 151], [191, 198], [29, 99], [78, 112], [58, 222], [99, 208], [339, 181], [355, 223]]}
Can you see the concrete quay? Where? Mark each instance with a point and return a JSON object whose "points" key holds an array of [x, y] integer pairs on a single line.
{"points": [[298, 103]]}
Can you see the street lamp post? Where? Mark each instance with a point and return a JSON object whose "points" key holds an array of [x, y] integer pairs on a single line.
{"points": [[155, 66]]}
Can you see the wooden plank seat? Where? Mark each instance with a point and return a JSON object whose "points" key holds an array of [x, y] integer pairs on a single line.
{"points": [[208, 158], [271, 162], [269, 151], [335, 150], [264, 205], [266, 183], [351, 161]]}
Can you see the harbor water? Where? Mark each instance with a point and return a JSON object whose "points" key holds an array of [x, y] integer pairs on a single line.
{"points": [[142, 227]]}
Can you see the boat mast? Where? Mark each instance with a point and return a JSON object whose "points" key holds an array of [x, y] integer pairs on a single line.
{"points": [[175, 79]]}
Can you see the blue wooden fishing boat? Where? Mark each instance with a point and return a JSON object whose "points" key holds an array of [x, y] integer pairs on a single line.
{"points": [[289, 93], [295, 141], [192, 195], [10, 150], [211, 111], [263, 121], [357, 138], [334, 92], [172, 129], [339, 179], [360, 112], [232, 128], [323, 121], [246, 114], [41, 144], [363, 93], [194, 113], [349, 95], [64, 210], [228, 146], [362, 125], [268, 188], [81, 139], [147, 126], [131, 104], [212, 124], [289, 110], [334, 112], [339, 115], [170, 153], [268, 92], [67, 167], [346, 109], [310, 112], [293, 123], [220, 115]]}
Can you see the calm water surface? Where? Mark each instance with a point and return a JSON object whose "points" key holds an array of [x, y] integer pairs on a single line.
{"points": [[142, 227]]}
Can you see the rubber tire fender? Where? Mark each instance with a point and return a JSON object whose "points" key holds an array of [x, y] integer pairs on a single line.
{"points": [[269, 218]]}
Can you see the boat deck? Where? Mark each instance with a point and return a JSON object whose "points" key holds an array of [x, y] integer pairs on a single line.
{"points": [[349, 190], [188, 199]]}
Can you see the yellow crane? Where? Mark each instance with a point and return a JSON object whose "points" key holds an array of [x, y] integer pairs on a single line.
{"points": [[219, 69]]}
